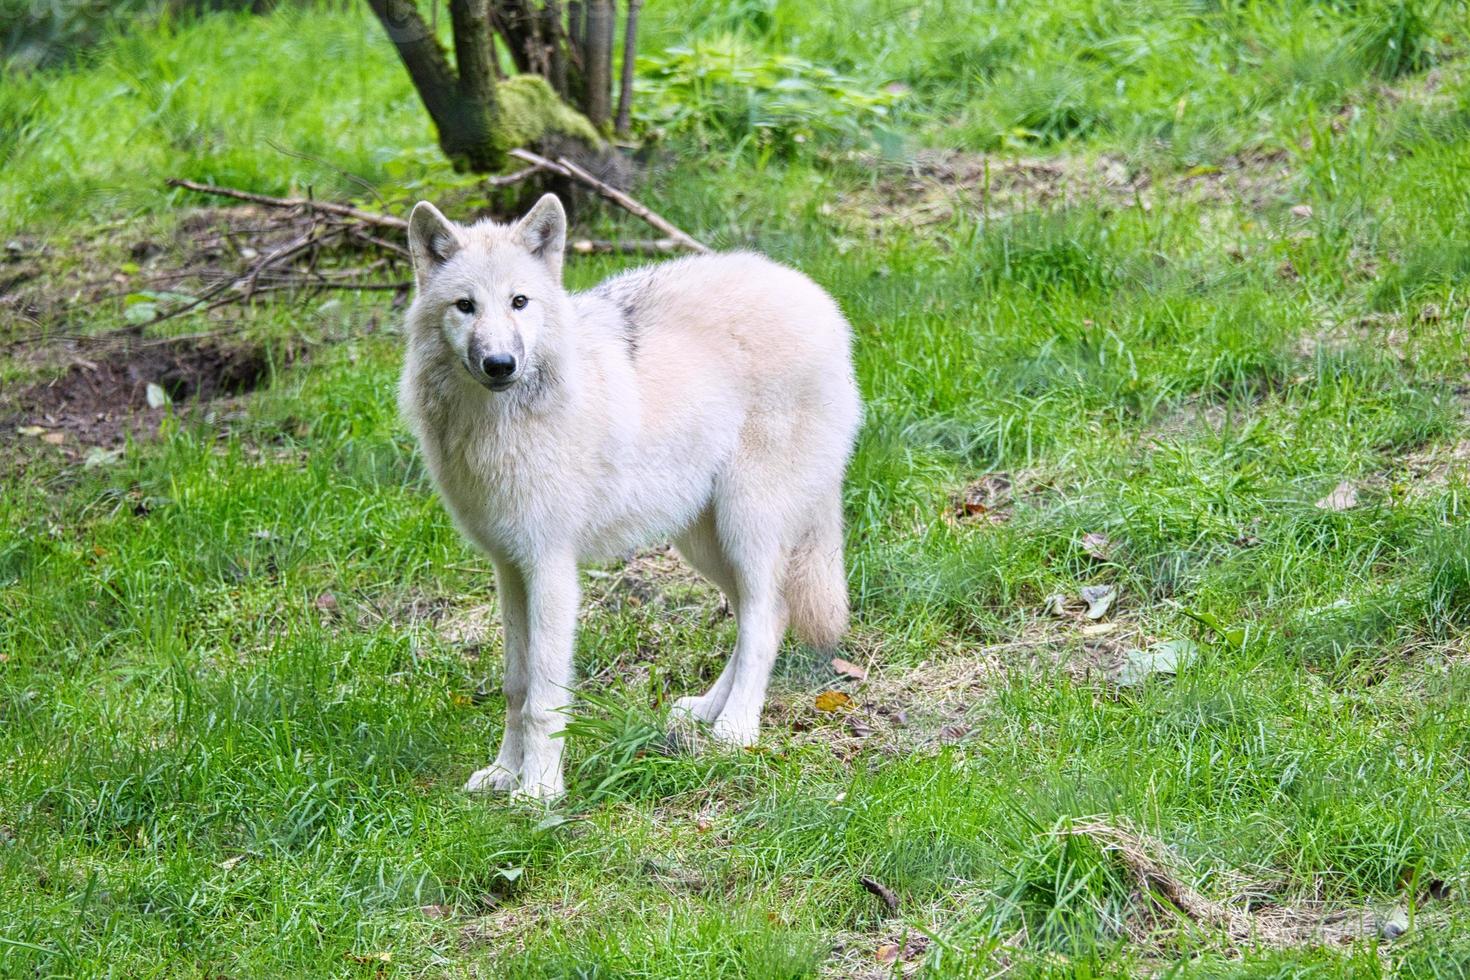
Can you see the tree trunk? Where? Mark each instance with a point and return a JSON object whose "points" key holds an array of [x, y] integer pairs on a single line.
{"points": [[630, 48], [478, 113], [462, 107], [600, 26]]}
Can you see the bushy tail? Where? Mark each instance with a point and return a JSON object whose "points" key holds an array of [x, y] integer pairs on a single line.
{"points": [[816, 582]]}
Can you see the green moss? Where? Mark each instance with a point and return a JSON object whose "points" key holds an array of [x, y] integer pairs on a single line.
{"points": [[530, 110]]}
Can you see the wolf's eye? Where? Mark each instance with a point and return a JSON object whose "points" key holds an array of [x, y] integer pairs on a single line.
{"points": [[465, 305], [518, 302]]}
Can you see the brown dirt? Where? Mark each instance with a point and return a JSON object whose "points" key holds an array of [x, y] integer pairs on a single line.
{"points": [[936, 184], [95, 392]]}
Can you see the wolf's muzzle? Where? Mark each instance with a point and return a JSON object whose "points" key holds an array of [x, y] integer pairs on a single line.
{"points": [[495, 371]]}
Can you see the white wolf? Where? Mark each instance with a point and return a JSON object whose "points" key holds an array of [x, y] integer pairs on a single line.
{"points": [[710, 399]]}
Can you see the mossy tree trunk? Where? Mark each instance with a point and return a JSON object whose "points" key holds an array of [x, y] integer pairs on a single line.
{"points": [[478, 118]]}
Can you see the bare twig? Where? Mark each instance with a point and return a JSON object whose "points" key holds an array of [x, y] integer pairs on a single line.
{"points": [[881, 890], [567, 168], [599, 246], [304, 203], [1157, 873]]}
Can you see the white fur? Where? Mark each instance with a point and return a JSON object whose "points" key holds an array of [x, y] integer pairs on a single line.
{"points": [[709, 399]]}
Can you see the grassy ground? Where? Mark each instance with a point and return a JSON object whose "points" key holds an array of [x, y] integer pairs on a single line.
{"points": [[1173, 295]]}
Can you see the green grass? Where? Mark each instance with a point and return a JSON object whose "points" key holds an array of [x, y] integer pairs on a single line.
{"points": [[205, 772]]}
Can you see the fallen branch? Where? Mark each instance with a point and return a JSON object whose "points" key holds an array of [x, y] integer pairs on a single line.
{"points": [[318, 227], [1160, 882], [295, 203], [651, 246], [882, 891], [566, 168]]}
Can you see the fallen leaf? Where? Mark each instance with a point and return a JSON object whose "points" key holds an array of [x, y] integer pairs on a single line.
{"points": [[554, 821], [157, 397], [953, 733], [831, 701], [31, 430], [1394, 924], [382, 956], [97, 456], [1099, 629], [1161, 658], [1099, 599], [1343, 497], [886, 954], [1097, 546], [988, 497], [54, 438], [849, 669]]}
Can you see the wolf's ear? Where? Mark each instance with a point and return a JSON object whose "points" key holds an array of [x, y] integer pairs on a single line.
{"points": [[432, 239], [544, 232]]}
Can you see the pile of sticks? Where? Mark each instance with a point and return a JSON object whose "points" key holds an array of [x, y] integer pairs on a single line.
{"points": [[323, 227]]}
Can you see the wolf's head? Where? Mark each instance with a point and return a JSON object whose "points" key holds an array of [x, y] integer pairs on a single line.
{"points": [[493, 291]]}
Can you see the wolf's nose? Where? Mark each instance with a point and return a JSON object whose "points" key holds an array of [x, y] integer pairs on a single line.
{"points": [[498, 367]]}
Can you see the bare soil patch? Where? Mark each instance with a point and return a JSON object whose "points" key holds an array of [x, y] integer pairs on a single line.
{"points": [[96, 392], [935, 185]]}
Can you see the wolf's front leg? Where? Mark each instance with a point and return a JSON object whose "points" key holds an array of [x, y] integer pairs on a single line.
{"points": [[551, 606], [503, 773]]}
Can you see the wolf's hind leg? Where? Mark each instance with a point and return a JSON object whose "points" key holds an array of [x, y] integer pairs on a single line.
{"points": [[750, 537], [700, 546], [501, 775]]}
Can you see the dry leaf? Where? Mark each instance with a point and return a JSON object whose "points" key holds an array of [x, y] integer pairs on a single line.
{"points": [[1161, 658], [31, 430], [988, 498], [1099, 629], [382, 956], [849, 669], [1099, 599], [55, 438], [831, 701], [1097, 546], [1343, 497], [886, 954]]}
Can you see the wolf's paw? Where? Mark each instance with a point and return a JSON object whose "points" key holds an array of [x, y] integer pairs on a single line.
{"points": [[491, 779], [702, 708], [544, 788], [735, 731]]}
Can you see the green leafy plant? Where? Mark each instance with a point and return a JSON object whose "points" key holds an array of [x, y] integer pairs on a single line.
{"points": [[723, 90]]}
